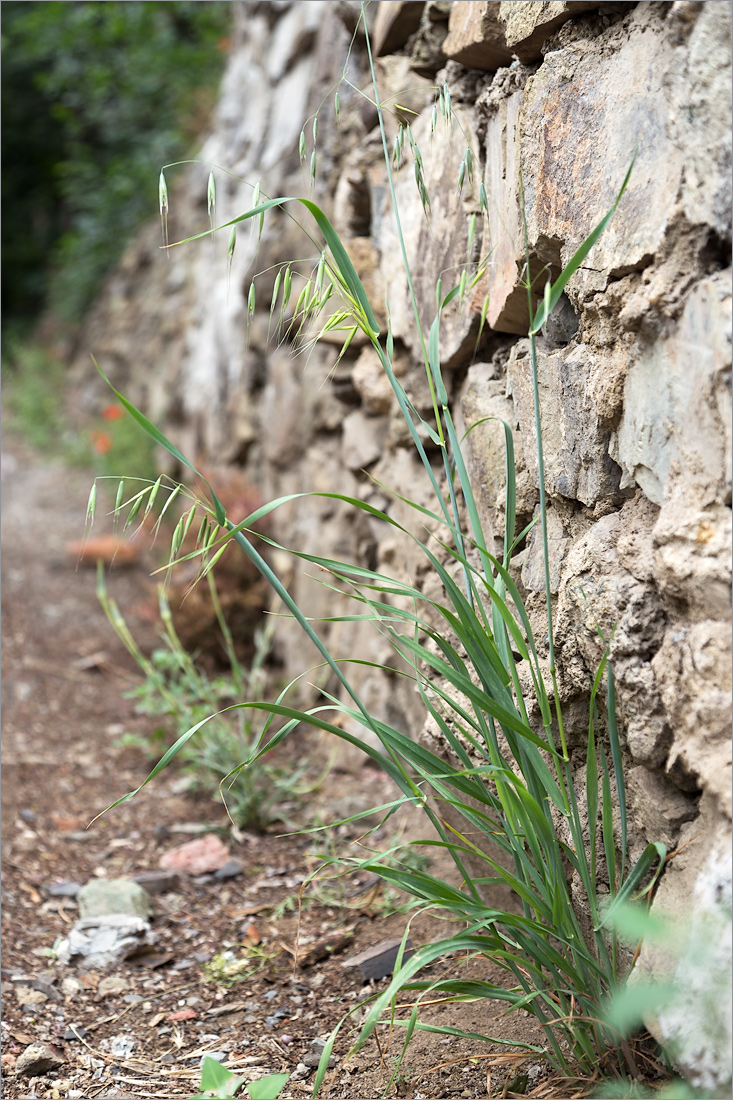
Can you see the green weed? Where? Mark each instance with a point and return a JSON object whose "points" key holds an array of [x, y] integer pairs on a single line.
{"points": [[178, 689], [219, 1083], [227, 969]]}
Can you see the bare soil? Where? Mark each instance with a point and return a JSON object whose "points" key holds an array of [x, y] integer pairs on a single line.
{"points": [[64, 712]]}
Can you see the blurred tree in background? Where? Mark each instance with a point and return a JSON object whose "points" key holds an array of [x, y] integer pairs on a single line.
{"points": [[96, 97]]}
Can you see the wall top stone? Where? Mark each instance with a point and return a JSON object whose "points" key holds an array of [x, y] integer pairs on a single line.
{"points": [[527, 26], [476, 36], [396, 21]]}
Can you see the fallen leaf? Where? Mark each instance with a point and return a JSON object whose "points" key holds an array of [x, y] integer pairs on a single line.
{"points": [[197, 857], [151, 959], [34, 895], [248, 910], [23, 1038], [184, 1014], [110, 549], [252, 934]]}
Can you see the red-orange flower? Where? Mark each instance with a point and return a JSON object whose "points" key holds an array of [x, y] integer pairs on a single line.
{"points": [[112, 412], [101, 442]]}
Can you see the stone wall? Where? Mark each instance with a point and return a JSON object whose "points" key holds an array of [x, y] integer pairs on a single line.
{"points": [[634, 375]]}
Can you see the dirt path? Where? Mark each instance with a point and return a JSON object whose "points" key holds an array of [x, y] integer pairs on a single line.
{"points": [[139, 1028]]}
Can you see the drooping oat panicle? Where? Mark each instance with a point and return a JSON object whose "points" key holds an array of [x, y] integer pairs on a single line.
{"points": [[152, 497], [189, 520], [177, 538], [211, 204], [230, 255], [137, 503], [275, 291], [302, 147], [171, 497], [397, 148], [471, 236], [91, 507], [163, 203], [118, 504], [319, 274], [446, 100]]}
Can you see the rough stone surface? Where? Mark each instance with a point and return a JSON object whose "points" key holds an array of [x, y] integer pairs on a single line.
{"points": [[98, 897], [197, 857], [476, 36], [37, 1059], [677, 399], [694, 896], [575, 441], [699, 658], [98, 942], [500, 106], [433, 245], [396, 20], [527, 26]]}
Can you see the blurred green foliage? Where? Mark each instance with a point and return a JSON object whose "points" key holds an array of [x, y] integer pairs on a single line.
{"points": [[95, 98]]}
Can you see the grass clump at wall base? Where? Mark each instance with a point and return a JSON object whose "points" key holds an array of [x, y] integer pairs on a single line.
{"points": [[510, 784]]}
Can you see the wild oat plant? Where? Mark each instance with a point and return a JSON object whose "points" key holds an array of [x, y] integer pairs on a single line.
{"points": [[510, 779]]}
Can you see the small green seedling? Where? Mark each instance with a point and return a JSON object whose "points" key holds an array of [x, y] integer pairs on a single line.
{"points": [[268, 1088], [219, 1083]]}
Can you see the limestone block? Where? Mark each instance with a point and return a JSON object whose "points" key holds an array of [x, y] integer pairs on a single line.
{"points": [[292, 36], [527, 26], [365, 259], [427, 56], [363, 440], [694, 896], [533, 566], [483, 402], [99, 897], [677, 400], [371, 383], [396, 21], [659, 808], [693, 671], [436, 245], [575, 442], [507, 299], [476, 36], [692, 545], [582, 113], [598, 590], [282, 417], [703, 116]]}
